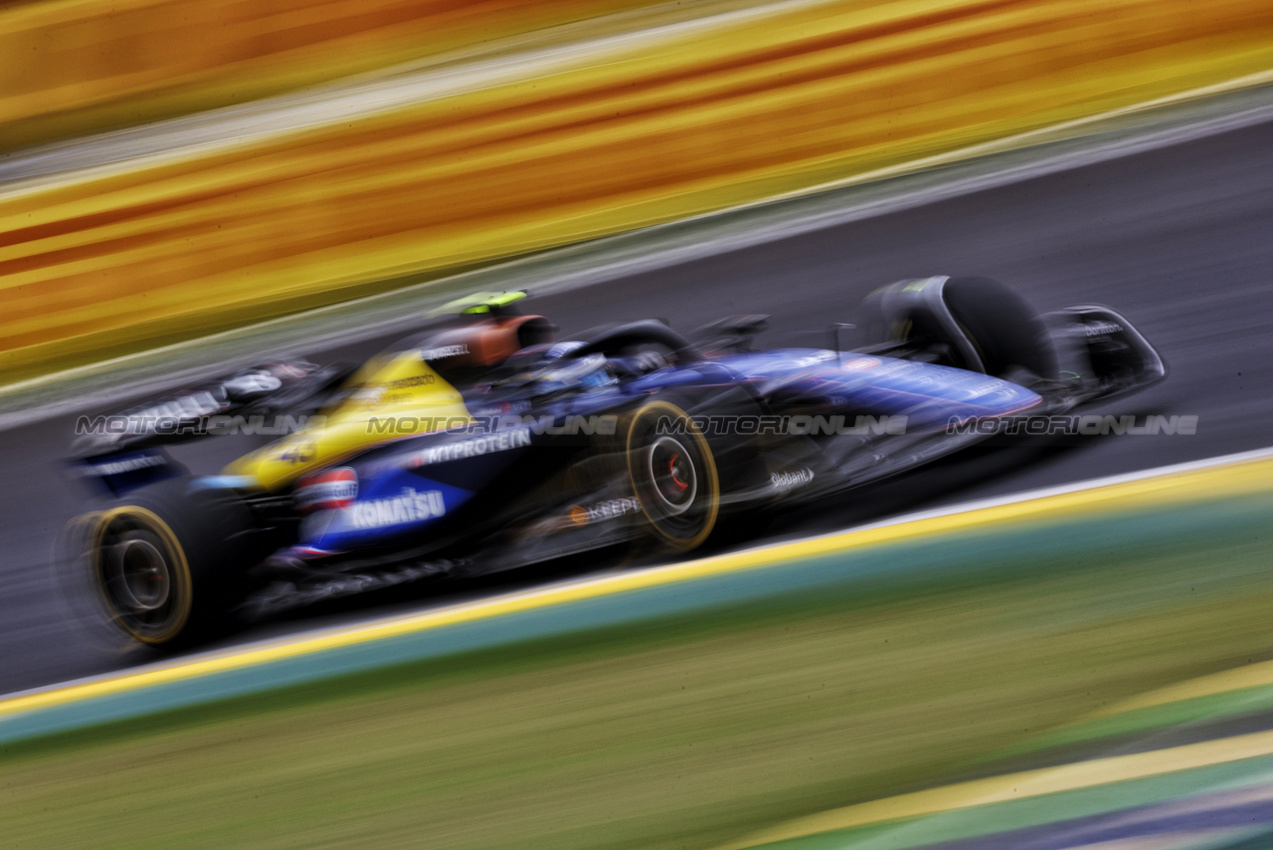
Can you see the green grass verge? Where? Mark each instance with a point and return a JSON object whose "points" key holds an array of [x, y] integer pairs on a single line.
{"points": [[678, 732]]}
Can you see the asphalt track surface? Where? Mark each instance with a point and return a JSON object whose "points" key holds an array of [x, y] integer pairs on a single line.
{"points": [[1180, 239]]}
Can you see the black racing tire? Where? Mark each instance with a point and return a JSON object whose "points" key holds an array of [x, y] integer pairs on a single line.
{"points": [[1003, 328], [673, 474], [170, 562]]}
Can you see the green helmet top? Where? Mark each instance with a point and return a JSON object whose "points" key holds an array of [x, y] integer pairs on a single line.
{"points": [[479, 302]]}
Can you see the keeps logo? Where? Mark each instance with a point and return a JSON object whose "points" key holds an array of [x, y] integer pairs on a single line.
{"points": [[334, 489]]}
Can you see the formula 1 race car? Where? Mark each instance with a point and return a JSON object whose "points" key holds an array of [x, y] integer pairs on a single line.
{"points": [[483, 444]]}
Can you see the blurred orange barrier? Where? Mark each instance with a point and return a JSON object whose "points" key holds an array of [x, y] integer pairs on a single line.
{"points": [[74, 66], [758, 105]]}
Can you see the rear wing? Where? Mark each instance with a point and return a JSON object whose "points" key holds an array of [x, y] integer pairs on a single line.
{"points": [[122, 472]]}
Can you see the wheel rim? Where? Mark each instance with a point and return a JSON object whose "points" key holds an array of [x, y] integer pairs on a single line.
{"points": [[142, 574], [673, 475], [671, 470]]}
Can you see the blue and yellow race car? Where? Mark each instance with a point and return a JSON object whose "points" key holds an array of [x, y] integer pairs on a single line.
{"points": [[483, 443]]}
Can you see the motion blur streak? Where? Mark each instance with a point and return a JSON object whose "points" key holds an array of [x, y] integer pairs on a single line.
{"points": [[72, 66], [1186, 766], [688, 118], [1244, 475], [691, 715], [1034, 783]]}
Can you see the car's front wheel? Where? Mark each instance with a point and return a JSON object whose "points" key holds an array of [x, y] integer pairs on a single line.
{"points": [[673, 475], [1002, 327]]}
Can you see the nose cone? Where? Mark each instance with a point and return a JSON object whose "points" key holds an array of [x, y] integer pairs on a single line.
{"points": [[927, 394], [933, 395]]}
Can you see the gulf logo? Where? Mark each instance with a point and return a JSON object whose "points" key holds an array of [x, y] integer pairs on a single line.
{"points": [[332, 489]]}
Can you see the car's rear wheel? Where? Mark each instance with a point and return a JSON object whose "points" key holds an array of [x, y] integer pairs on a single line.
{"points": [[143, 574], [673, 475], [170, 564]]}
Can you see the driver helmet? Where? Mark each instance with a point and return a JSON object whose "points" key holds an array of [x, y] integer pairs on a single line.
{"points": [[485, 344], [548, 366]]}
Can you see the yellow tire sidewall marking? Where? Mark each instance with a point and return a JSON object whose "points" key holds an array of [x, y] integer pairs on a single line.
{"points": [[182, 582], [709, 463]]}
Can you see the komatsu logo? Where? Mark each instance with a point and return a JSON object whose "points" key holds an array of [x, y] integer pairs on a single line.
{"points": [[411, 506]]}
